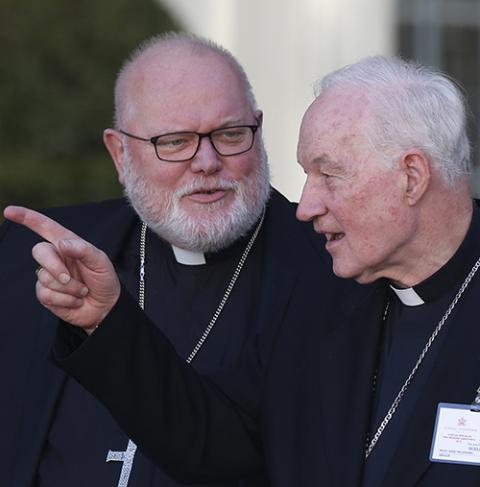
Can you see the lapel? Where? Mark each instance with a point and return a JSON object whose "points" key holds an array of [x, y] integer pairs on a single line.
{"points": [[284, 244], [44, 381], [243, 380], [347, 360], [455, 378], [278, 283]]}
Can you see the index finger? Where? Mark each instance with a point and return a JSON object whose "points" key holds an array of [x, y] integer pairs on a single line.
{"points": [[41, 224]]}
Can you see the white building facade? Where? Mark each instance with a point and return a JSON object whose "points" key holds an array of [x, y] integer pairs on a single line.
{"points": [[285, 46]]}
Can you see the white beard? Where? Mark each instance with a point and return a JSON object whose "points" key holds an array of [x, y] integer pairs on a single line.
{"points": [[212, 227]]}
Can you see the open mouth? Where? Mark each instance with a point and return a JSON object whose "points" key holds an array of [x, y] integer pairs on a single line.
{"points": [[333, 237]]}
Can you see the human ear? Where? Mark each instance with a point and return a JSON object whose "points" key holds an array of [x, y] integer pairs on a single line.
{"points": [[114, 143], [259, 117], [416, 166]]}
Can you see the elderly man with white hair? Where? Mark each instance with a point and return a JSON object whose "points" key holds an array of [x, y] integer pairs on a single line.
{"points": [[371, 390], [387, 159]]}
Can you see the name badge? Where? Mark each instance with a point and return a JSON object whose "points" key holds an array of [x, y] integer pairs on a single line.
{"points": [[456, 438]]}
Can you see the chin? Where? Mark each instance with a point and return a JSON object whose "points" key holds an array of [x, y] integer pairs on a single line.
{"points": [[341, 271], [357, 275], [201, 211], [365, 279]]}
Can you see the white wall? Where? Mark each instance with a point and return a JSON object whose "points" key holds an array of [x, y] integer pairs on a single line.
{"points": [[284, 46]]}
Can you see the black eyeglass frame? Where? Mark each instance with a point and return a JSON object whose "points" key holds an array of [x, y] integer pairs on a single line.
{"points": [[153, 140]]}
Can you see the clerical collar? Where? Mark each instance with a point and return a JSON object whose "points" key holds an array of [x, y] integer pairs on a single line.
{"points": [[198, 259], [408, 296], [192, 258], [451, 274], [188, 257]]}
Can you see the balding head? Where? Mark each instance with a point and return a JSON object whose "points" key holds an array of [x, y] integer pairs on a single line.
{"points": [[174, 62]]}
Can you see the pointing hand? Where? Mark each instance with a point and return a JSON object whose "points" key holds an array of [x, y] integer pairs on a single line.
{"points": [[76, 280]]}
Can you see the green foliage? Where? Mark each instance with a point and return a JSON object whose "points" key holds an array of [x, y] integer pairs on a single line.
{"points": [[59, 61]]}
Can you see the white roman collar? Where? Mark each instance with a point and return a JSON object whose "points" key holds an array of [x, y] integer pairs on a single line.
{"points": [[408, 297], [188, 257]]}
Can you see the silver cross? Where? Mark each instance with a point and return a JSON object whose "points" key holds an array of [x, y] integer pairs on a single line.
{"points": [[127, 458], [475, 406]]}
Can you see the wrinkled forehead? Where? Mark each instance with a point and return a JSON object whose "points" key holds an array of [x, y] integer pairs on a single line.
{"points": [[336, 111], [336, 121]]}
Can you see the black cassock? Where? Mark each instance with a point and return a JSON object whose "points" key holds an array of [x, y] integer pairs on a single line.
{"points": [[317, 406], [51, 425], [411, 318], [181, 299]]}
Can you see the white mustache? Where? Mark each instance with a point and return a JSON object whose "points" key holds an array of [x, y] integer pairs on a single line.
{"points": [[206, 184]]}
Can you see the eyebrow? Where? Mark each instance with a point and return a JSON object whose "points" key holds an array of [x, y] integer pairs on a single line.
{"points": [[225, 125], [325, 161], [233, 123]]}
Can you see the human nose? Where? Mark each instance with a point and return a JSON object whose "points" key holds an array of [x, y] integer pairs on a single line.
{"points": [[311, 204], [206, 160]]}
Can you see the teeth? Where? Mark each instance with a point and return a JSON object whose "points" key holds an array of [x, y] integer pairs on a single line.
{"points": [[334, 236]]}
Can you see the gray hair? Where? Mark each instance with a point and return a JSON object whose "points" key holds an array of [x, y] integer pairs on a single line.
{"points": [[413, 106], [178, 39]]}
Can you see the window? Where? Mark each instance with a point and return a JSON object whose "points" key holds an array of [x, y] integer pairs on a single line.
{"points": [[446, 34]]}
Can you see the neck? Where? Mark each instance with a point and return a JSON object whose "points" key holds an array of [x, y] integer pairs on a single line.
{"points": [[441, 229]]}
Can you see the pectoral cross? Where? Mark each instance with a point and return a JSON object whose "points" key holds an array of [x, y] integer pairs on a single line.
{"points": [[127, 458]]}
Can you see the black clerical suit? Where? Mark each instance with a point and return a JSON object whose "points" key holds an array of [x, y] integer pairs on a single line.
{"points": [[45, 416], [319, 403]]}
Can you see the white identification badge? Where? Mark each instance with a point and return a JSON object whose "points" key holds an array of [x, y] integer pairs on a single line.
{"points": [[456, 438]]}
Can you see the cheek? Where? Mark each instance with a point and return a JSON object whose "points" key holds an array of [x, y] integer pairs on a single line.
{"points": [[169, 176], [379, 202], [379, 231], [242, 166], [242, 171], [369, 219]]}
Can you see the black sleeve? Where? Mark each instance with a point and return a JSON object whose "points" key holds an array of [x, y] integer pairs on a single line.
{"points": [[181, 421]]}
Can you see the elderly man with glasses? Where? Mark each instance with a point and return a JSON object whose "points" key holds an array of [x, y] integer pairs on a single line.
{"points": [[201, 242]]}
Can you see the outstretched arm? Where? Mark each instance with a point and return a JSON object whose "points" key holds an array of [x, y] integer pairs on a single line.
{"points": [[184, 423]]}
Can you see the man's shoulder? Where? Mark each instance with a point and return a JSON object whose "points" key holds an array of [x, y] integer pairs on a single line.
{"points": [[290, 236], [86, 214], [78, 218]]}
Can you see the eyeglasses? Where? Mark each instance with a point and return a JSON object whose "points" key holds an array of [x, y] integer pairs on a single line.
{"points": [[182, 146]]}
